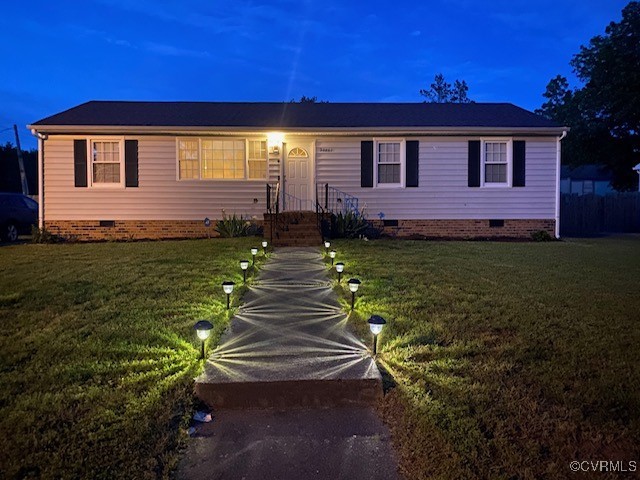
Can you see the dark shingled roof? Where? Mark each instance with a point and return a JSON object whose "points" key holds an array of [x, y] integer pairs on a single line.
{"points": [[297, 115]]}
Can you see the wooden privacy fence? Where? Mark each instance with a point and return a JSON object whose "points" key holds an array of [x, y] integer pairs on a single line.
{"points": [[593, 214]]}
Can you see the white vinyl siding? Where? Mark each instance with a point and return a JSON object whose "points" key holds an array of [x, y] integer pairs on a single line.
{"points": [[443, 192], [160, 196]]}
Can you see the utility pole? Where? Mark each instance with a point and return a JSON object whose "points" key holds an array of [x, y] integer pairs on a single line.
{"points": [[23, 175]]}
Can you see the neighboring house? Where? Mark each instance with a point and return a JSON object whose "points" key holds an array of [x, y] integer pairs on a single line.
{"points": [[157, 169], [586, 180]]}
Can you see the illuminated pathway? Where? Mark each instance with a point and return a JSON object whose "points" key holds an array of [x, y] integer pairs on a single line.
{"points": [[308, 383]]}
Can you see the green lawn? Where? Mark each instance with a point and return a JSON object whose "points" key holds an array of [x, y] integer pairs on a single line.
{"points": [[511, 359], [98, 353]]}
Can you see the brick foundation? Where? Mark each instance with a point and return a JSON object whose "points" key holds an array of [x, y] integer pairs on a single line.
{"points": [[90, 230], [466, 229]]}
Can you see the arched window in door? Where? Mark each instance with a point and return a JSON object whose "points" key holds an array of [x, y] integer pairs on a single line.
{"points": [[298, 152]]}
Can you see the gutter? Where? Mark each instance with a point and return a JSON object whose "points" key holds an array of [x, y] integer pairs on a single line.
{"points": [[41, 138], [564, 134], [297, 131]]}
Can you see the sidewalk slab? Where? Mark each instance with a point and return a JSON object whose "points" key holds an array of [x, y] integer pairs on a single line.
{"points": [[289, 345], [339, 443]]}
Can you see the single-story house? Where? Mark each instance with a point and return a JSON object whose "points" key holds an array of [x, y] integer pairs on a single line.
{"points": [[586, 180], [113, 169]]}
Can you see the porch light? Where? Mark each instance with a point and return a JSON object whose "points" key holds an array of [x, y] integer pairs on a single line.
{"points": [[203, 330], [327, 244], [354, 284], [376, 323], [228, 289], [264, 246], [339, 269], [274, 140], [244, 264], [254, 252], [332, 254]]}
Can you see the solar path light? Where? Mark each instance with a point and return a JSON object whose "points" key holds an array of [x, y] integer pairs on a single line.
{"points": [[203, 330], [376, 323], [339, 269], [254, 252], [354, 284], [327, 244], [228, 289], [332, 254], [244, 264], [264, 246]]}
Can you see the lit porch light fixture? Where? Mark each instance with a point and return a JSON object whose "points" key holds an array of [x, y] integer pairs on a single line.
{"points": [[354, 284], [376, 322], [203, 330], [332, 254], [264, 246], [244, 264], [228, 289], [339, 269], [274, 140], [254, 252]]}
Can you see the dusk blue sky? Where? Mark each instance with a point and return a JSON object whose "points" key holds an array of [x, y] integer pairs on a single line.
{"points": [[59, 54]]}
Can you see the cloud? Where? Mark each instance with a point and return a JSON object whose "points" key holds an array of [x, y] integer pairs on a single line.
{"points": [[173, 51], [416, 33]]}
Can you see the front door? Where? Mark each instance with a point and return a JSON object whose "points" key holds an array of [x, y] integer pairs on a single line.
{"points": [[298, 176]]}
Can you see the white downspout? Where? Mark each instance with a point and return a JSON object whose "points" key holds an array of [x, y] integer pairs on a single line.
{"points": [[41, 139], [564, 134]]}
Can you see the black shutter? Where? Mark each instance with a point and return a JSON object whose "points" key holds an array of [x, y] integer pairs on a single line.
{"points": [[131, 163], [474, 163], [518, 163], [366, 164], [80, 162], [412, 163]]}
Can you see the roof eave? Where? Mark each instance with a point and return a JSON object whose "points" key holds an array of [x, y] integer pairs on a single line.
{"points": [[343, 131]]}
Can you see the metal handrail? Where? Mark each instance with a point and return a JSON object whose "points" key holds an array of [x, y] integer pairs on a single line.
{"points": [[273, 206], [296, 203], [336, 201]]}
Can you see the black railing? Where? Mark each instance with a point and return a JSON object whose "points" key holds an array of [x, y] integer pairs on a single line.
{"points": [[331, 201], [336, 201], [273, 207]]}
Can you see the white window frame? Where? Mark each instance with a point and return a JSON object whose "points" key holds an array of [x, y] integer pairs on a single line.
{"points": [[509, 142], [120, 141], [403, 162], [245, 178], [246, 159]]}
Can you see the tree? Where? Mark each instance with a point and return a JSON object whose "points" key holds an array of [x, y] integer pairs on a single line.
{"points": [[604, 114], [305, 99], [10, 173], [442, 92]]}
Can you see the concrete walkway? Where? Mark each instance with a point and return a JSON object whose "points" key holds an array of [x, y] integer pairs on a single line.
{"points": [[288, 347]]}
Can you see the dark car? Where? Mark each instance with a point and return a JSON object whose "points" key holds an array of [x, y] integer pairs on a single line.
{"points": [[17, 214]]}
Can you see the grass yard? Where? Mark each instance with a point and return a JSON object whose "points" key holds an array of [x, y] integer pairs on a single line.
{"points": [[511, 359], [98, 352]]}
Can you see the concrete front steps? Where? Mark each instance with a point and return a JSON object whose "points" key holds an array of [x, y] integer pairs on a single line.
{"points": [[283, 395], [293, 229], [288, 345]]}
